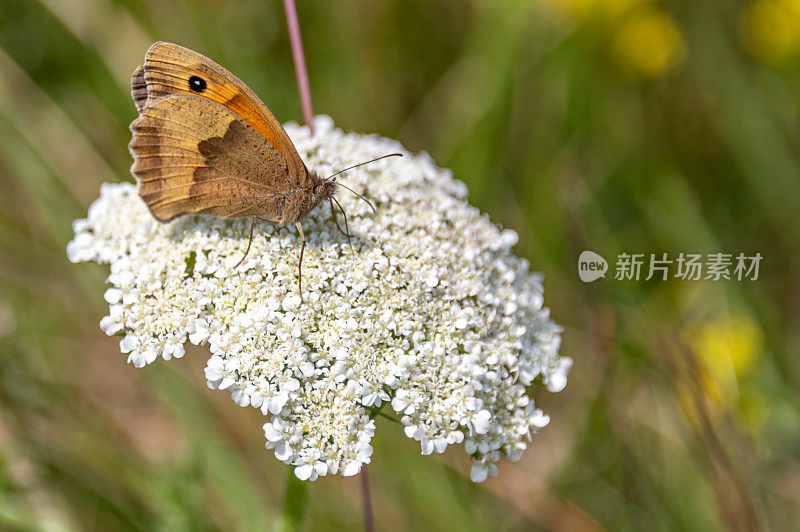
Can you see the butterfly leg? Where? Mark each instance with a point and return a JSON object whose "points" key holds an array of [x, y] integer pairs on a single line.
{"points": [[249, 242], [346, 232], [300, 264]]}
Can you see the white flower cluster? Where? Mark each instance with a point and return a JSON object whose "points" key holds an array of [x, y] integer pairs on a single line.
{"points": [[428, 312]]}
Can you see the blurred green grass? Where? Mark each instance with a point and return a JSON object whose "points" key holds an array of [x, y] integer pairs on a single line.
{"points": [[612, 125]]}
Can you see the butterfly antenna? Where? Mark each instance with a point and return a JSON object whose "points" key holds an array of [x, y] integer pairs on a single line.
{"points": [[371, 206], [332, 177], [365, 162]]}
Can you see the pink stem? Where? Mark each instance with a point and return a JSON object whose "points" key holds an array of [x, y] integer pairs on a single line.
{"points": [[369, 520], [299, 63]]}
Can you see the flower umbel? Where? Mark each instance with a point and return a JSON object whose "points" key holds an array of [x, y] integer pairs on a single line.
{"points": [[429, 311]]}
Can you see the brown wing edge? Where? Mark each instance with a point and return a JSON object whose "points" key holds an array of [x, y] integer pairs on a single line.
{"points": [[139, 88], [139, 93]]}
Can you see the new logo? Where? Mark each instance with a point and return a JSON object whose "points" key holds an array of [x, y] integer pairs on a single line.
{"points": [[591, 266]]}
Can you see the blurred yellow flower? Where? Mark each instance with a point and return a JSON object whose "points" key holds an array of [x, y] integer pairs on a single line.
{"points": [[727, 348], [602, 8], [648, 43], [772, 29]]}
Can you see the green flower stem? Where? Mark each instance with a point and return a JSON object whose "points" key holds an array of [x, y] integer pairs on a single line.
{"points": [[294, 504]]}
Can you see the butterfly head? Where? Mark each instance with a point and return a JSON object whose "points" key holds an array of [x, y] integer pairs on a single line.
{"points": [[317, 191], [322, 189]]}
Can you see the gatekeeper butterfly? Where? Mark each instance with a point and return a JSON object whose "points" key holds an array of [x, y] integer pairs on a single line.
{"points": [[204, 143]]}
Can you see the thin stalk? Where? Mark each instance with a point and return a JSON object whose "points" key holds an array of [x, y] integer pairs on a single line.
{"points": [[369, 520], [299, 63]]}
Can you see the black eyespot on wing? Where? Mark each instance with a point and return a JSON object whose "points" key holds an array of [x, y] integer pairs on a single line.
{"points": [[197, 84]]}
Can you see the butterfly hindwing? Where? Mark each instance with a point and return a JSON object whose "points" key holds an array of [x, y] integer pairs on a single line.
{"points": [[168, 69], [193, 155], [139, 89]]}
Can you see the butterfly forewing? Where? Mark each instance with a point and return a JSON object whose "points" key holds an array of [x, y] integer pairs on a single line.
{"points": [[192, 155], [169, 69]]}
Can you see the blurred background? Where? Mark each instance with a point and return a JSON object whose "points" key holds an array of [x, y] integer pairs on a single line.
{"points": [[638, 126]]}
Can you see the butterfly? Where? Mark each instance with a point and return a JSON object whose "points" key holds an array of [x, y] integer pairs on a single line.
{"points": [[204, 143]]}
